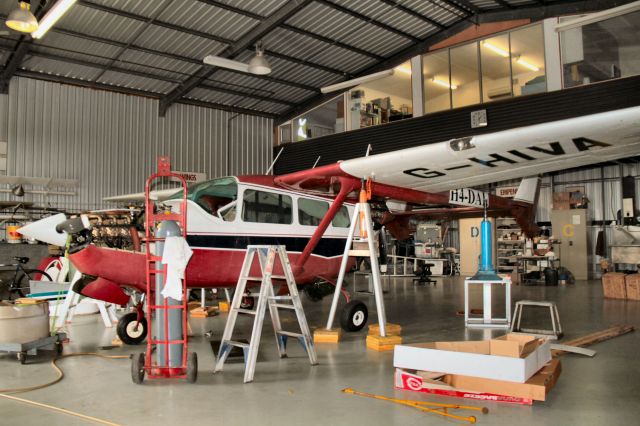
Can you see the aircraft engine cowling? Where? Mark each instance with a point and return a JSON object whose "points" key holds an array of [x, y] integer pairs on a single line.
{"points": [[101, 289]]}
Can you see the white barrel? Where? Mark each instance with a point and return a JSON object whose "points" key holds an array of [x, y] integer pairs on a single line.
{"points": [[23, 323]]}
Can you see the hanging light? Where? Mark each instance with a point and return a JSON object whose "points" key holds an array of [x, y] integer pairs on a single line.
{"points": [[17, 190], [259, 64], [52, 16], [21, 19]]}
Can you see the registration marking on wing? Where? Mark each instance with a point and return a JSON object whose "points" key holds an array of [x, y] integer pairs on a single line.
{"points": [[468, 197]]}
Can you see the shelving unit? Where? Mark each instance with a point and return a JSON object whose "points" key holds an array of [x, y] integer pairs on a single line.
{"points": [[508, 248]]}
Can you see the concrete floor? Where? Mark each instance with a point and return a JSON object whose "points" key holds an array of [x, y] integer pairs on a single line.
{"points": [[590, 391]]}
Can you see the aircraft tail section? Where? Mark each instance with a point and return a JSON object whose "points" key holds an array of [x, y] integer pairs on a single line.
{"points": [[528, 190]]}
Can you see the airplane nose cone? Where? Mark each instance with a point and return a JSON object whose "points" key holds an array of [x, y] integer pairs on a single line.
{"points": [[45, 230]]}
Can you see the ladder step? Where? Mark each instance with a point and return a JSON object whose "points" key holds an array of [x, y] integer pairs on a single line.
{"points": [[283, 306], [278, 277], [252, 278], [290, 333], [245, 311], [280, 298], [237, 344]]}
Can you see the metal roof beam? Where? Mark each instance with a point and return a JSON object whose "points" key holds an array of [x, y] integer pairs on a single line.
{"points": [[464, 5], [549, 10], [409, 11], [107, 87], [177, 57], [291, 28], [367, 19], [19, 53], [154, 76], [163, 24], [332, 41], [264, 27]]}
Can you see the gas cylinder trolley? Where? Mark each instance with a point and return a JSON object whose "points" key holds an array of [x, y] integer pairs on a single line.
{"points": [[167, 353]]}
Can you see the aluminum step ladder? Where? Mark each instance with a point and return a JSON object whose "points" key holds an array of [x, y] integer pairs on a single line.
{"points": [[266, 256]]}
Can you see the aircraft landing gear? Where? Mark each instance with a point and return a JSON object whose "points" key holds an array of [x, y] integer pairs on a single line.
{"points": [[132, 327], [354, 316]]}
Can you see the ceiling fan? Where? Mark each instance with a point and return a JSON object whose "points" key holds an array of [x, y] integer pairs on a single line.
{"points": [[257, 65]]}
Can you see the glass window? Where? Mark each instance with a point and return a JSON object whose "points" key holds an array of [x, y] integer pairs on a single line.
{"points": [[496, 68], [311, 212], [211, 195], [601, 51], [465, 86], [435, 69], [341, 219], [381, 101], [527, 61], [285, 133], [326, 119], [266, 207]]}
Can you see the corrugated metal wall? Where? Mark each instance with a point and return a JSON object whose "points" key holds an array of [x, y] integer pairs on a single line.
{"points": [[110, 142]]}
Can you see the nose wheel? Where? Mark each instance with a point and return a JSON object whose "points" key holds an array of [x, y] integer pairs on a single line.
{"points": [[130, 331], [354, 316]]}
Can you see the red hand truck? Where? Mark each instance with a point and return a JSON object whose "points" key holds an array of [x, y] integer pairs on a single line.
{"points": [[144, 363]]}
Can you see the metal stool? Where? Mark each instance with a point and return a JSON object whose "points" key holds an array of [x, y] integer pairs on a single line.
{"points": [[555, 333]]}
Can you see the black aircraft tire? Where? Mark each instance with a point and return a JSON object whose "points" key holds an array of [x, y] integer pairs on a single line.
{"points": [[354, 316], [192, 367], [126, 329], [137, 368]]}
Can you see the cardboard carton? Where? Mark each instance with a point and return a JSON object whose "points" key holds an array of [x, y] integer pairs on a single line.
{"points": [[510, 358], [613, 285], [632, 286], [536, 388]]}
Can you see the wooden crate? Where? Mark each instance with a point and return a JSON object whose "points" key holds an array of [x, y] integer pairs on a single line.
{"points": [[613, 285], [632, 284]]}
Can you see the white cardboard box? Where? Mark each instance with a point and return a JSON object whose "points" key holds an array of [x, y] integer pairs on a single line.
{"points": [[476, 358]]}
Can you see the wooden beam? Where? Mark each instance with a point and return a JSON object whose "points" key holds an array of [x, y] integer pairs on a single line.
{"points": [[597, 337]]}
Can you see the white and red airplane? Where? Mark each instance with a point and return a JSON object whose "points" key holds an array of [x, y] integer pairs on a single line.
{"points": [[310, 211]]}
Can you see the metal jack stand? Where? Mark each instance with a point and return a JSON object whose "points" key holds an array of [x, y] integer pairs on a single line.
{"points": [[361, 215], [267, 297]]}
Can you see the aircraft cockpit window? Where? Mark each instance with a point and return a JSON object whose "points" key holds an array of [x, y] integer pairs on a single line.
{"points": [[341, 220], [212, 195], [266, 207], [311, 212]]}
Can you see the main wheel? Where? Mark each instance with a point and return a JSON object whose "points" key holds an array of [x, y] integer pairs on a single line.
{"points": [[22, 357], [137, 368], [192, 367], [127, 330], [248, 302], [22, 286], [354, 316]]}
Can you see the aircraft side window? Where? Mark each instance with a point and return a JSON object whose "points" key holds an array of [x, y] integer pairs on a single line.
{"points": [[341, 220], [228, 212], [311, 212], [266, 207]]}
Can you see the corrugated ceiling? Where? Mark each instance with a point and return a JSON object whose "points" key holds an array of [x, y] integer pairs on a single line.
{"points": [[158, 46]]}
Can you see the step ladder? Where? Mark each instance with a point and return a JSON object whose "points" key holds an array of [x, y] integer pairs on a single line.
{"points": [[266, 256]]}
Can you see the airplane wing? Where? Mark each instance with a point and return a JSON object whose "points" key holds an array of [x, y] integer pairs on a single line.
{"points": [[139, 196], [490, 157]]}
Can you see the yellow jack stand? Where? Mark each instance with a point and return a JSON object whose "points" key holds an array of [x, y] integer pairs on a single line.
{"points": [[391, 329], [382, 344], [322, 335], [223, 306]]}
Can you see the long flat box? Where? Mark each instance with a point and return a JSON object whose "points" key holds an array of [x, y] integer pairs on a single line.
{"points": [[489, 359], [613, 285], [632, 286], [536, 388]]}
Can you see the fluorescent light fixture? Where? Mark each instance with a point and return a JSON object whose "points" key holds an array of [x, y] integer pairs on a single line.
{"points": [[354, 82], [21, 19], [403, 69], [527, 64], [52, 16], [444, 84], [496, 49], [592, 18]]}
